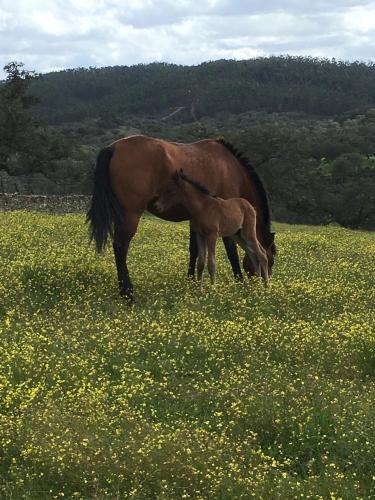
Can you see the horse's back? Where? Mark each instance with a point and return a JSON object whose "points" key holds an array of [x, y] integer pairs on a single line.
{"points": [[141, 166], [142, 163]]}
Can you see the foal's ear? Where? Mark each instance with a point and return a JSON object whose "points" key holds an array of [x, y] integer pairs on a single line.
{"points": [[180, 174]]}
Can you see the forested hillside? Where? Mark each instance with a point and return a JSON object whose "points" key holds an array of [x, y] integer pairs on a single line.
{"points": [[307, 125], [275, 84]]}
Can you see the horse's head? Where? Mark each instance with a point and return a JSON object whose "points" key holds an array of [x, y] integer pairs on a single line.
{"points": [[270, 249], [171, 193]]}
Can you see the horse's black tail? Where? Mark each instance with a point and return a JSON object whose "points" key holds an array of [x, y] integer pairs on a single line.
{"points": [[105, 212]]}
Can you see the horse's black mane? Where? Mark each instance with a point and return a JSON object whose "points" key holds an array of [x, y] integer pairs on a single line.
{"points": [[197, 185], [255, 178]]}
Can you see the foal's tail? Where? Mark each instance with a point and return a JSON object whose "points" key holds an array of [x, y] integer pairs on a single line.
{"points": [[105, 212]]}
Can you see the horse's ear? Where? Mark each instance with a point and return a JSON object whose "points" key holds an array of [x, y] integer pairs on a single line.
{"points": [[270, 240]]}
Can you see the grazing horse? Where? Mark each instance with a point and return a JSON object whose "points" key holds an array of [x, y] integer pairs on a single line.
{"points": [[132, 173], [211, 217]]}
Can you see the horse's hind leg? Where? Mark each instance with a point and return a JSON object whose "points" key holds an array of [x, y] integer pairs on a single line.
{"points": [[121, 241], [231, 249], [193, 252]]}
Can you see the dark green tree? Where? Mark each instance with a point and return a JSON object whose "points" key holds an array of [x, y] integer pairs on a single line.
{"points": [[17, 125]]}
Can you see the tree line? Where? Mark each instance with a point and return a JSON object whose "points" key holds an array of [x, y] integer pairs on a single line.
{"points": [[270, 84]]}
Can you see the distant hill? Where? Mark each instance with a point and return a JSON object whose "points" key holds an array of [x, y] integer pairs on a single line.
{"points": [[275, 84]]}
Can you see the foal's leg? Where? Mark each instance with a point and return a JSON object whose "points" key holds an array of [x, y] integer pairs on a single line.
{"points": [[231, 249], [258, 258], [193, 251], [255, 261], [121, 241], [248, 266], [251, 255], [211, 261], [202, 253]]}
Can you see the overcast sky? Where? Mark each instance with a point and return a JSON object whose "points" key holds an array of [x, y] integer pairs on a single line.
{"points": [[54, 34]]}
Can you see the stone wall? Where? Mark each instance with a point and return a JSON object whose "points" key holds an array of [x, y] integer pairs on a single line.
{"points": [[49, 203], [34, 183]]}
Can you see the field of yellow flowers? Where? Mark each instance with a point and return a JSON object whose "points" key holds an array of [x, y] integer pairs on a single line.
{"points": [[236, 392]]}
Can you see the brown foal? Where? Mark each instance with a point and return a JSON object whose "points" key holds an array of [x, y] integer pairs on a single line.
{"points": [[212, 217]]}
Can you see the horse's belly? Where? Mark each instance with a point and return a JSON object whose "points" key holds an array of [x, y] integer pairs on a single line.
{"points": [[174, 214]]}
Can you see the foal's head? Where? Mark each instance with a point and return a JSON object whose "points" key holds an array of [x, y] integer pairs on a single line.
{"points": [[180, 190]]}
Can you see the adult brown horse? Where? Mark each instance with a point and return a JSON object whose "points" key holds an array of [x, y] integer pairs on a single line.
{"points": [[130, 175]]}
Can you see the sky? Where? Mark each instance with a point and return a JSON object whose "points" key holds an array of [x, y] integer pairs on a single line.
{"points": [[55, 34]]}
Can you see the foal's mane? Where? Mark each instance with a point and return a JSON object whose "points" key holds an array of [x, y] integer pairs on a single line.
{"points": [[200, 187], [256, 180]]}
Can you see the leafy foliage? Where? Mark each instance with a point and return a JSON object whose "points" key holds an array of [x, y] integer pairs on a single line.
{"points": [[16, 122], [273, 84], [27, 147]]}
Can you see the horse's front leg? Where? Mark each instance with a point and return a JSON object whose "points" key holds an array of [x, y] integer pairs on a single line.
{"points": [[193, 253], [231, 249], [211, 261]]}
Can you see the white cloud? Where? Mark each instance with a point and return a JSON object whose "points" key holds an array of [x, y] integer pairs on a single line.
{"points": [[70, 33], [360, 19]]}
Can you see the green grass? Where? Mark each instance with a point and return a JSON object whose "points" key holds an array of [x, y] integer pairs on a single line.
{"points": [[236, 392]]}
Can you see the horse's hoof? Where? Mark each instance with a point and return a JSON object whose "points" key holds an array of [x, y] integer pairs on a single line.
{"points": [[128, 296]]}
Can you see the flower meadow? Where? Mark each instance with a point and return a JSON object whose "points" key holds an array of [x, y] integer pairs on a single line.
{"points": [[234, 392]]}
